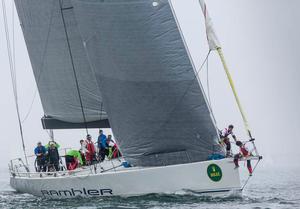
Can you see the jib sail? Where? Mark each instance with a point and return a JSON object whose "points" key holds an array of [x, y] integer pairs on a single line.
{"points": [[155, 104]]}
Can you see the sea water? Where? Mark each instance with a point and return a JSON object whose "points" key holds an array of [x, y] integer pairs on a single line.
{"points": [[268, 188]]}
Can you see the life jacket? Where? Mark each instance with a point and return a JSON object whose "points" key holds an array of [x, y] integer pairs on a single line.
{"points": [[73, 165], [244, 151], [53, 155], [116, 152], [226, 133], [90, 146]]}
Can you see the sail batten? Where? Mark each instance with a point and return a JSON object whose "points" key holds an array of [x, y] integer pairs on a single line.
{"points": [[155, 105]]}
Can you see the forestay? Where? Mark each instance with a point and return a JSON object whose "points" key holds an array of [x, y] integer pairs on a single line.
{"points": [[155, 104], [46, 41]]}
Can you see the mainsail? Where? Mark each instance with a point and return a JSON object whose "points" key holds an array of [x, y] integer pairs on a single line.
{"points": [[47, 43], [154, 101]]}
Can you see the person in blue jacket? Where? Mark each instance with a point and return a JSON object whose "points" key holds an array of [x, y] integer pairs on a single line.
{"points": [[101, 145], [40, 153]]}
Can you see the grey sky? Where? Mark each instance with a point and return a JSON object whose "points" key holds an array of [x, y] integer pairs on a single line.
{"points": [[260, 40]]}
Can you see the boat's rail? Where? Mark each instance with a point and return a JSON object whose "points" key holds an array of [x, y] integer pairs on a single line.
{"points": [[18, 168]]}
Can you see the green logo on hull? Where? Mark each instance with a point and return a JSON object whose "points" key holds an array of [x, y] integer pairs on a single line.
{"points": [[214, 172]]}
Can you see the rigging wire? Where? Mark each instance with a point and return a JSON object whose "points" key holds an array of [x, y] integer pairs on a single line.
{"points": [[188, 88], [13, 34], [42, 63], [196, 76], [246, 182], [208, 94], [207, 83], [11, 58], [93, 70], [30, 107], [73, 65]]}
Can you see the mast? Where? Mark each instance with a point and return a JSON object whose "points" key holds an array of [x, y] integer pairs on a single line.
{"points": [[215, 45], [73, 65], [51, 135]]}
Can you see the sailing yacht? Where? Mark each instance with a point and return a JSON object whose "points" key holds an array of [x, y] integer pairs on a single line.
{"points": [[124, 65]]}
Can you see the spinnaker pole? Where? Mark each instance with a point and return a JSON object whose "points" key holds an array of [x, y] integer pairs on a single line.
{"points": [[246, 124]]}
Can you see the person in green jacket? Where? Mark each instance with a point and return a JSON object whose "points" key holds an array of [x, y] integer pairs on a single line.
{"points": [[73, 159]]}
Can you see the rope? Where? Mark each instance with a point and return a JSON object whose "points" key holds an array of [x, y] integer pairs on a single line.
{"points": [[207, 83], [93, 70], [30, 107], [187, 90], [11, 54], [195, 77], [208, 95], [250, 176], [13, 34], [73, 65]]}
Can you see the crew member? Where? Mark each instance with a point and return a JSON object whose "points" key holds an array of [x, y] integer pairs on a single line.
{"points": [[243, 153], [40, 153], [53, 156], [90, 154], [83, 150], [113, 151], [73, 159], [101, 145], [224, 135]]}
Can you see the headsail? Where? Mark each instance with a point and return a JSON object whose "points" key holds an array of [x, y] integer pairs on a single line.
{"points": [[212, 38], [46, 41], [155, 104]]}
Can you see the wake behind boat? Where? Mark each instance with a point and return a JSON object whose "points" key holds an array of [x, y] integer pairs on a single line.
{"points": [[125, 65]]}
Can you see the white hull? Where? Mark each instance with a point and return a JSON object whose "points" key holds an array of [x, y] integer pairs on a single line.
{"points": [[133, 181]]}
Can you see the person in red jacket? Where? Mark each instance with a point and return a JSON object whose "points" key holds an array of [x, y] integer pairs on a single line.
{"points": [[243, 153], [90, 150]]}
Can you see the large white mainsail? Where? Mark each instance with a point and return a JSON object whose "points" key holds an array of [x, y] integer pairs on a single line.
{"points": [[156, 107], [46, 41]]}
